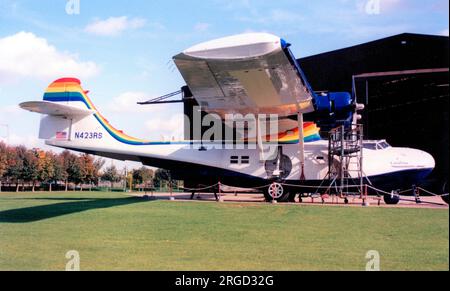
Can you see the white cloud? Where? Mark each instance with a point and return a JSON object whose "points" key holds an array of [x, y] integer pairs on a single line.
{"points": [[114, 26], [169, 129], [382, 6], [30, 141], [25, 55]]}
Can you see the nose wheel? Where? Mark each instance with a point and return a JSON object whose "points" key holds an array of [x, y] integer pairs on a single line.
{"points": [[392, 199]]}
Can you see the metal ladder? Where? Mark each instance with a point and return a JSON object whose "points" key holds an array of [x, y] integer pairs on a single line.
{"points": [[346, 160]]}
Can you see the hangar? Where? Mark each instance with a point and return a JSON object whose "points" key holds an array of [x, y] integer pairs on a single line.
{"points": [[403, 81]]}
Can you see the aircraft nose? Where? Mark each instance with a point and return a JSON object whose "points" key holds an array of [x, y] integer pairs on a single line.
{"points": [[425, 160]]}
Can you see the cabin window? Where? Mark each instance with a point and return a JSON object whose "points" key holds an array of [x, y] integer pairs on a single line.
{"points": [[243, 160], [234, 160]]}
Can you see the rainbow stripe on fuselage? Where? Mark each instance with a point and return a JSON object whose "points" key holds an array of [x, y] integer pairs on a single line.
{"points": [[310, 130], [70, 90]]}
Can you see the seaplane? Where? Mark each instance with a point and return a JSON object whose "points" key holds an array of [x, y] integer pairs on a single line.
{"points": [[252, 74]]}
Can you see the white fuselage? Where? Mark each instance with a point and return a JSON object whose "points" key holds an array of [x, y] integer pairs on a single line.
{"points": [[377, 161]]}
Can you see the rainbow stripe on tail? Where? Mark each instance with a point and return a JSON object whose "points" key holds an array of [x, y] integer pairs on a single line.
{"points": [[70, 90]]}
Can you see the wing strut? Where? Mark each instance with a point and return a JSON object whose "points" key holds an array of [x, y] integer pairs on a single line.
{"points": [[163, 99], [260, 140], [301, 142]]}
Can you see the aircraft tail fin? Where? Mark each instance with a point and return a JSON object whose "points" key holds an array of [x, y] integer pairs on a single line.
{"points": [[69, 115]]}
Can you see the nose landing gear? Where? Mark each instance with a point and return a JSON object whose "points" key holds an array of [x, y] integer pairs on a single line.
{"points": [[391, 199]]}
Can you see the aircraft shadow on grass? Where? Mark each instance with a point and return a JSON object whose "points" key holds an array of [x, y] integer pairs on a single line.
{"points": [[42, 212]]}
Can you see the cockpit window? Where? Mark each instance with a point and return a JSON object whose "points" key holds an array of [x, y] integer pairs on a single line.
{"points": [[384, 145], [370, 146], [381, 145]]}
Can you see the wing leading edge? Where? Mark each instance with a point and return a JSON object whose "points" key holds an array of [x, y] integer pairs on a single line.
{"points": [[247, 73]]}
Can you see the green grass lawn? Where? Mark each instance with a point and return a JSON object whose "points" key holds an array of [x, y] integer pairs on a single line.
{"points": [[115, 232]]}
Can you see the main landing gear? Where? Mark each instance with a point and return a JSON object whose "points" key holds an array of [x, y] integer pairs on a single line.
{"points": [[277, 192]]}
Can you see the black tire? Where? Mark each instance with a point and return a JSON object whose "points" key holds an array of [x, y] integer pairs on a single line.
{"points": [[391, 199]]}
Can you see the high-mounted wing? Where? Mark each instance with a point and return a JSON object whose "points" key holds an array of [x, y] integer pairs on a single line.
{"points": [[247, 73]]}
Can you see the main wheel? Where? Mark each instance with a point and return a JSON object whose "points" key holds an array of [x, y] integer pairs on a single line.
{"points": [[276, 191]]}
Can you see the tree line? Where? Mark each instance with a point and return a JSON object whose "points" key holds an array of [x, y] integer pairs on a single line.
{"points": [[20, 166]]}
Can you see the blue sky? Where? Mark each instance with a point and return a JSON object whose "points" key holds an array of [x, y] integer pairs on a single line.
{"points": [[121, 50]]}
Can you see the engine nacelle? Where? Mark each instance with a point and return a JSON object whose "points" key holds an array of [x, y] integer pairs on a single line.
{"points": [[334, 109]]}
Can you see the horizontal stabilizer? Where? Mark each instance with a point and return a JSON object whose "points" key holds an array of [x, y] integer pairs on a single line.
{"points": [[55, 109]]}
